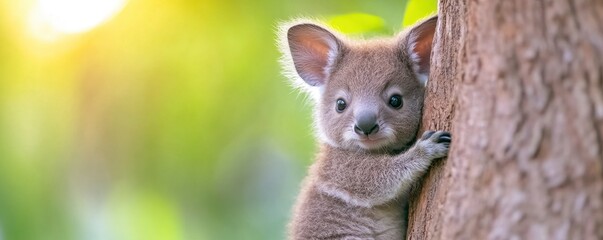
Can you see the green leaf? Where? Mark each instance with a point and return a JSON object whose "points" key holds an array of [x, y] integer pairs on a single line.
{"points": [[357, 23], [419, 9]]}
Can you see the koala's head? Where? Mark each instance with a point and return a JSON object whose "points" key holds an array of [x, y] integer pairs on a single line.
{"points": [[368, 93]]}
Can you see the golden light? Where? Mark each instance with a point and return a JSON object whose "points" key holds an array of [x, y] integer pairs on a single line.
{"points": [[51, 17]]}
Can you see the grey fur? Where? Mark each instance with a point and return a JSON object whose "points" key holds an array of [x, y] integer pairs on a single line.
{"points": [[358, 187]]}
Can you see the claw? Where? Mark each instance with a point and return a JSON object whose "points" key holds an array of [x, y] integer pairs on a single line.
{"points": [[444, 139]]}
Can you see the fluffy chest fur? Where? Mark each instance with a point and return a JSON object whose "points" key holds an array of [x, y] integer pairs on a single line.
{"points": [[322, 216], [341, 197]]}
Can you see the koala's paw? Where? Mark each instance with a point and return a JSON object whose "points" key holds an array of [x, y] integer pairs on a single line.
{"points": [[435, 144]]}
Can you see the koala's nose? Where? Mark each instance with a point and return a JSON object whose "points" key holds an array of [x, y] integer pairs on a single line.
{"points": [[366, 123]]}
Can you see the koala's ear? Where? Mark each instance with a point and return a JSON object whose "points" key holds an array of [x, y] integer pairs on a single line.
{"points": [[418, 43], [314, 51]]}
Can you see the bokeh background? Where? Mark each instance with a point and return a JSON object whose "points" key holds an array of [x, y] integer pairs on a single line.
{"points": [[154, 119]]}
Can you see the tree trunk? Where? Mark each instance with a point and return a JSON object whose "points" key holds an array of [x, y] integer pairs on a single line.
{"points": [[520, 86]]}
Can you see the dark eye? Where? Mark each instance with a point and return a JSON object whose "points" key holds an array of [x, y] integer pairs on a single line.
{"points": [[340, 105], [395, 101]]}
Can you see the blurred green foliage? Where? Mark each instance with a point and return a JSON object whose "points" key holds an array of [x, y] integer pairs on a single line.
{"points": [[358, 23], [169, 121], [417, 10]]}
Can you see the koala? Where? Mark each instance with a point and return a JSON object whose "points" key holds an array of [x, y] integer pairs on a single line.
{"points": [[368, 98]]}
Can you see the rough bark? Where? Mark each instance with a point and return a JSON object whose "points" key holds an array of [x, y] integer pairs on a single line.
{"points": [[520, 86]]}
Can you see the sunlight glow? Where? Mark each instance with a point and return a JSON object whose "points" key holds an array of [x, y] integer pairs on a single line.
{"points": [[72, 16]]}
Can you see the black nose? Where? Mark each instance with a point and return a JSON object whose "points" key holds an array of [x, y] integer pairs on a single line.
{"points": [[366, 123]]}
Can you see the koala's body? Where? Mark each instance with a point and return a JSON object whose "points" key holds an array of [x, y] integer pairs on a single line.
{"points": [[369, 97]]}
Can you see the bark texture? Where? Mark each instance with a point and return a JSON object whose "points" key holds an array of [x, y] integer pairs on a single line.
{"points": [[520, 86]]}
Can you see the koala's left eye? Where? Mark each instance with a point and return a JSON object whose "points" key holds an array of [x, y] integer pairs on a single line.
{"points": [[340, 105], [395, 101]]}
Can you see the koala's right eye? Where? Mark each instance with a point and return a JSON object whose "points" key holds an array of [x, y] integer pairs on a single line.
{"points": [[340, 105], [395, 101]]}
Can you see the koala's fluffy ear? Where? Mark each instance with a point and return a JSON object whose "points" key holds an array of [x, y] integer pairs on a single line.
{"points": [[418, 44], [313, 50]]}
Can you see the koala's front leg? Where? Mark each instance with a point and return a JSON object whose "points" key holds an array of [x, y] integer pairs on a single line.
{"points": [[415, 161], [367, 180]]}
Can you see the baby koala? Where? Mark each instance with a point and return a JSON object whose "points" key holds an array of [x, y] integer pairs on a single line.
{"points": [[368, 97]]}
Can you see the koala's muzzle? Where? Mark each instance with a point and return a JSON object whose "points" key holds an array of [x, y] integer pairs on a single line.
{"points": [[366, 123]]}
